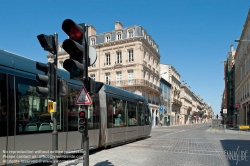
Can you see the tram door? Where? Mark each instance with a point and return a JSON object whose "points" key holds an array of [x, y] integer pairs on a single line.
{"points": [[3, 118]]}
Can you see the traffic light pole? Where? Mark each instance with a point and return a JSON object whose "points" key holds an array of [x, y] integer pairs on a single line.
{"points": [[85, 137], [55, 132]]}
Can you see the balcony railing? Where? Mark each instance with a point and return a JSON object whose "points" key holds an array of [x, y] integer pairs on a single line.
{"points": [[136, 82], [175, 101]]}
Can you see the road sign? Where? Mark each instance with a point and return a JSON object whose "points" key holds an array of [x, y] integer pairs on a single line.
{"points": [[83, 98], [224, 111]]}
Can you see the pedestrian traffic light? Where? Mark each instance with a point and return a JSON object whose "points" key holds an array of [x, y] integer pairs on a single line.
{"points": [[82, 122], [75, 46], [46, 83]]}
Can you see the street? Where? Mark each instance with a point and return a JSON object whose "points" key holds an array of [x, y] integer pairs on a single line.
{"points": [[187, 145]]}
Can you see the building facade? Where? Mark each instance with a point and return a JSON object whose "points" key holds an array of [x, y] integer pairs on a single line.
{"points": [[170, 74], [242, 75], [127, 58], [165, 103]]}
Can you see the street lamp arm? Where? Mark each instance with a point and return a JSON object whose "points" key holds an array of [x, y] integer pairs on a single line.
{"points": [[241, 40]]}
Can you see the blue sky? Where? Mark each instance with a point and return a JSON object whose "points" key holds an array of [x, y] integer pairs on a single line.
{"points": [[194, 36]]}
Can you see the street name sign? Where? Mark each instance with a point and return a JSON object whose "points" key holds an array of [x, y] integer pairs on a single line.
{"points": [[83, 97]]}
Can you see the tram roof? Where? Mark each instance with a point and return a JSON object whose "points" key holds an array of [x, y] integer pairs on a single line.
{"points": [[14, 61]]}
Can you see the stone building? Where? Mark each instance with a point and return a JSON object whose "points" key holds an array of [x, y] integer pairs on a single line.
{"points": [[127, 58]]}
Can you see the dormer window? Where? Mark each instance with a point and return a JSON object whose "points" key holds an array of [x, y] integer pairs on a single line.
{"points": [[93, 41], [130, 33], [119, 36], [108, 37]]}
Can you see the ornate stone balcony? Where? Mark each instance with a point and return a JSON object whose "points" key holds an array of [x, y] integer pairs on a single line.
{"points": [[136, 82]]}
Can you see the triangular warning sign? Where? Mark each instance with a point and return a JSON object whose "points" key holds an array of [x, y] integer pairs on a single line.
{"points": [[83, 98]]}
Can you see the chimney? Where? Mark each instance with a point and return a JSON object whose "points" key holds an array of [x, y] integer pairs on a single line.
{"points": [[232, 48], [91, 30], [118, 25]]}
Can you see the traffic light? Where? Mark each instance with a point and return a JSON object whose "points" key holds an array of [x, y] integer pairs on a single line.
{"points": [[47, 42], [75, 46], [217, 116], [46, 83], [221, 113], [82, 122]]}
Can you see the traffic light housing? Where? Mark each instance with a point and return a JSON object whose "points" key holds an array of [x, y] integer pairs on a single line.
{"points": [[47, 42], [82, 122], [217, 116], [221, 113], [75, 46], [46, 83]]}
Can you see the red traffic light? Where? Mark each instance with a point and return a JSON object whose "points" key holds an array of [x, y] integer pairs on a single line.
{"points": [[73, 30], [82, 114], [74, 33]]}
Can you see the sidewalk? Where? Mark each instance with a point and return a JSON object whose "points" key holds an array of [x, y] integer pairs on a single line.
{"points": [[229, 131], [180, 125]]}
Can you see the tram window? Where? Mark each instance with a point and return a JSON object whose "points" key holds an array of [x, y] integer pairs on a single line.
{"points": [[32, 109], [132, 114], [119, 112], [91, 115], [3, 106], [110, 112], [72, 110], [141, 114], [147, 115]]}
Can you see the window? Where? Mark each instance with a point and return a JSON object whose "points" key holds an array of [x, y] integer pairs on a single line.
{"points": [[93, 41], [93, 115], [107, 78], [116, 112], [130, 56], [130, 77], [32, 114], [130, 34], [145, 54], [119, 36], [108, 38], [118, 57], [147, 115], [61, 49], [72, 109], [92, 76], [132, 114], [61, 64], [118, 78], [141, 114], [107, 59], [3, 105]]}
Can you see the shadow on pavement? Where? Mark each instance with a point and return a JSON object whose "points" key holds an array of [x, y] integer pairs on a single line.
{"points": [[104, 163], [236, 152]]}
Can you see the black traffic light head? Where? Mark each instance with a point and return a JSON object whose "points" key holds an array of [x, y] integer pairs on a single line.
{"points": [[75, 46], [82, 124], [46, 83], [47, 42]]}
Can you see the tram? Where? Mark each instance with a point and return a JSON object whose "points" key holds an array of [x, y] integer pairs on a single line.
{"points": [[116, 116]]}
